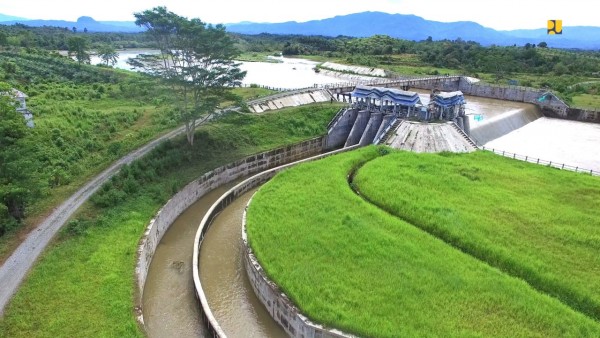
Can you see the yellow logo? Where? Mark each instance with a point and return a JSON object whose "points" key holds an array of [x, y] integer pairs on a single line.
{"points": [[554, 27]]}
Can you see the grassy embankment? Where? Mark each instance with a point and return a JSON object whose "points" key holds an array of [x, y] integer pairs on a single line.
{"points": [[83, 285], [348, 264], [523, 219], [86, 117]]}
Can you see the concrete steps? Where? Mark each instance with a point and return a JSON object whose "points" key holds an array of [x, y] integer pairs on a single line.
{"points": [[390, 131], [465, 136]]}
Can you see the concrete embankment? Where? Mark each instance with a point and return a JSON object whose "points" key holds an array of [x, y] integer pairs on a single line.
{"points": [[292, 99], [198, 188], [430, 138], [352, 70], [213, 325]]}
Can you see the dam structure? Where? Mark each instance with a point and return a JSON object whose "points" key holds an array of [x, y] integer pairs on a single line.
{"points": [[376, 113], [386, 112]]}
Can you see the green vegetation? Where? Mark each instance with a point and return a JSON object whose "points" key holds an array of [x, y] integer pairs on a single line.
{"points": [[83, 285], [85, 118], [528, 65], [196, 61], [517, 217], [348, 264], [56, 38]]}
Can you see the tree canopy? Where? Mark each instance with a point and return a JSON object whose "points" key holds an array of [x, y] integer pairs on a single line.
{"points": [[195, 59]]}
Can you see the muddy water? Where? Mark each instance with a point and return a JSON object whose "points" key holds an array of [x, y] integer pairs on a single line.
{"points": [[224, 279], [169, 301], [490, 119]]}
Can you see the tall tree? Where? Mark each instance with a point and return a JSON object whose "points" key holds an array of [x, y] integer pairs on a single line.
{"points": [[78, 46], [17, 174], [195, 59], [108, 54]]}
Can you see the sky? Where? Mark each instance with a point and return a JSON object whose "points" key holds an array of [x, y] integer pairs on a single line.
{"points": [[500, 15]]}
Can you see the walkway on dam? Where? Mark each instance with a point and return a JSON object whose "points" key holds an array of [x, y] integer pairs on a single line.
{"points": [[430, 138]]}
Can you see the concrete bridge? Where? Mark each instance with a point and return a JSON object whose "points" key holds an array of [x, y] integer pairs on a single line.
{"points": [[445, 83]]}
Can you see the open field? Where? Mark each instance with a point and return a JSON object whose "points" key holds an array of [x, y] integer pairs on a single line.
{"points": [[348, 264], [83, 285]]}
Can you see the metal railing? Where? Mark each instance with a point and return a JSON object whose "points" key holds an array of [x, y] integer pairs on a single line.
{"points": [[553, 164]]}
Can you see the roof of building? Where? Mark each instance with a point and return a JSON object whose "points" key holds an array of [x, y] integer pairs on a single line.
{"points": [[402, 97], [18, 94], [448, 99]]}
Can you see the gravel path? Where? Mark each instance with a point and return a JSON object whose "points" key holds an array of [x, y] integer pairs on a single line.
{"points": [[15, 268]]}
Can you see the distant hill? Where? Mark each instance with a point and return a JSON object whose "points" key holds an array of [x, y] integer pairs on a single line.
{"points": [[411, 27], [4, 17], [84, 22]]}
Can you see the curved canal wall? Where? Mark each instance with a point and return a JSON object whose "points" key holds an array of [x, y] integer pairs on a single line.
{"points": [[279, 306], [198, 188], [227, 198]]}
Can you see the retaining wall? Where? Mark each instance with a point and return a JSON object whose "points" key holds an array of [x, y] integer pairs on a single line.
{"points": [[214, 210], [338, 133], [196, 189], [277, 303], [293, 100]]}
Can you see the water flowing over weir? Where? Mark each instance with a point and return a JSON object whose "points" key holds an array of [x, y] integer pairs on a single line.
{"points": [[505, 123]]}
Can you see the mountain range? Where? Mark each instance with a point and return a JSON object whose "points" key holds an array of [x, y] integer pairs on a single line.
{"points": [[409, 27]]}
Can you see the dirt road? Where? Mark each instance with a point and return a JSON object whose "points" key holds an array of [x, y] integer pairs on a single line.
{"points": [[15, 268]]}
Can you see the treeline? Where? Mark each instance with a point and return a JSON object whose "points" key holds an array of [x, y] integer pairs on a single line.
{"points": [[56, 38], [468, 56]]}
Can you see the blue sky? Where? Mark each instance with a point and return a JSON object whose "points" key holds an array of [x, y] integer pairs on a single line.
{"points": [[506, 14]]}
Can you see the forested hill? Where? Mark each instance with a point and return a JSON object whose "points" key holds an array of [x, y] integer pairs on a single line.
{"points": [[411, 27]]}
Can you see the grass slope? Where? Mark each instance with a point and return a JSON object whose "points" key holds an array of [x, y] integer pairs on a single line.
{"points": [[83, 285], [350, 265], [536, 223]]}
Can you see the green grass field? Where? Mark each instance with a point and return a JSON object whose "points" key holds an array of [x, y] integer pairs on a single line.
{"points": [[523, 219], [83, 285], [349, 264]]}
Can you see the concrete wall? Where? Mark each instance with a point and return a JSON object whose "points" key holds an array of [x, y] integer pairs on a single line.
{"points": [[214, 210], [576, 114], [338, 133], [371, 129], [358, 129], [293, 100], [196, 189], [277, 303], [554, 105]]}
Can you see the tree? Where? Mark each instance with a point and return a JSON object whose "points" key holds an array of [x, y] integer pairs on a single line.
{"points": [[108, 54], [196, 60], [543, 44], [78, 46], [17, 175]]}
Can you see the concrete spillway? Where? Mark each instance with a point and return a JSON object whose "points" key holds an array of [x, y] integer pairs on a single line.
{"points": [[426, 137], [505, 123]]}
